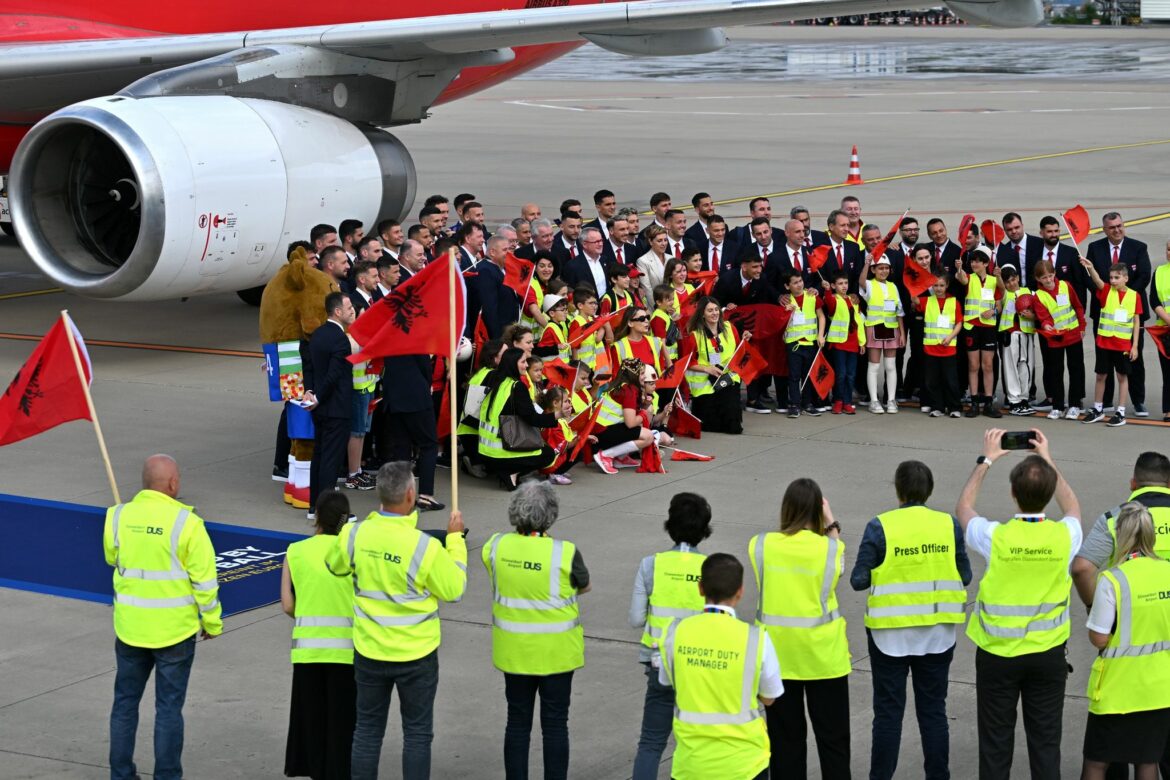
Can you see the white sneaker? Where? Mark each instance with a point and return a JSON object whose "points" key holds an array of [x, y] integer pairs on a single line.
{"points": [[1055, 414], [926, 410], [1073, 413], [937, 413], [875, 407], [892, 407]]}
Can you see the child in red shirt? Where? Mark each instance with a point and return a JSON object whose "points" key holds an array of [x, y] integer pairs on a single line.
{"points": [[942, 323], [843, 348], [1117, 337]]}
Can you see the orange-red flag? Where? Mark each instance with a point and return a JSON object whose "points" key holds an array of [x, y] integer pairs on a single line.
{"points": [[916, 279], [651, 461], [688, 455], [964, 228], [748, 363], [47, 390], [821, 375], [518, 274], [817, 257], [884, 244], [593, 327], [1076, 220], [682, 422], [762, 319], [443, 424], [559, 373], [585, 431], [673, 377], [992, 232], [1159, 335]]}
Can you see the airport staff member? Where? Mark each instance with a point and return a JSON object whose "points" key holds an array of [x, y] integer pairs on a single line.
{"points": [[1020, 620], [165, 592], [537, 639], [913, 562], [722, 670], [399, 575]]}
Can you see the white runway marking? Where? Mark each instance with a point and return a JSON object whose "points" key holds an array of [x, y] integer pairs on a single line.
{"points": [[848, 112]]}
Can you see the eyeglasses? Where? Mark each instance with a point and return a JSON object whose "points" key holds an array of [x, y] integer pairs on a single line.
{"points": [[643, 318]]}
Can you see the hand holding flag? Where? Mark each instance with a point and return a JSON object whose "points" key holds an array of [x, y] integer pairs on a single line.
{"points": [[820, 373], [1076, 222], [597, 324], [916, 279], [884, 244]]}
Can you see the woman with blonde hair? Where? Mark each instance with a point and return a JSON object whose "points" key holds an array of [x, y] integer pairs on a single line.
{"points": [[1129, 684]]}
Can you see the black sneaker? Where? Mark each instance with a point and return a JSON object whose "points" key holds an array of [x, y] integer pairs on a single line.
{"points": [[756, 408], [794, 414], [369, 479], [279, 474], [972, 410], [991, 409], [1044, 405], [358, 482], [1140, 410], [1092, 416], [812, 411], [1117, 420]]}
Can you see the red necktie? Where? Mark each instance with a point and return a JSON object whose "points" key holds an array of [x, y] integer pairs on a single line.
{"points": [[808, 240], [937, 254], [1050, 257], [1115, 254], [763, 253], [840, 262], [572, 250], [1017, 248], [618, 252], [678, 250], [747, 287], [796, 260], [714, 257]]}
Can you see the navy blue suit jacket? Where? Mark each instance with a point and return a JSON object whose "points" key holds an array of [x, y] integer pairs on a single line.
{"points": [[327, 372]]}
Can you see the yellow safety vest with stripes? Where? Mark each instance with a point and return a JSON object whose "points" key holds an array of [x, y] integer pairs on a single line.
{"points": [[918, 581], [1064, 317], [1132, 673], [625, 350], [978, 300], [611, 412], [1117, 315], [1162, 284], [699, 381], [713, 662], [526, 319], [796, 582], [399, 574], [323, 616], [165, 584], [938, 323], [590, 346], [1159, 514], [671, 349], [491, 442], [536, 623], [883, 304], [674, 591], [1022, 606], [561, 332], [363, 380], [1009, 316], [843, 316], [802, 326]]}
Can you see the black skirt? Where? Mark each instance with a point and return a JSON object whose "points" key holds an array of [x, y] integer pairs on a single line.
{"points": [[321, 722], [613, 435], [1132, 738]]}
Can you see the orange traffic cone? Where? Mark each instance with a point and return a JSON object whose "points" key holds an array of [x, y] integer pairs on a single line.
{"points": [[854, 169]]}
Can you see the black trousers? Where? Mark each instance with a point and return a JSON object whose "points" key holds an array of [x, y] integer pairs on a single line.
{"points": [[1165, 365], [1036, 679], [410, 431], [720, 411], [912, 377], [283, 442], [329, 455], [1055, 359], [828, 709], [939, 389], [1137, 374]]}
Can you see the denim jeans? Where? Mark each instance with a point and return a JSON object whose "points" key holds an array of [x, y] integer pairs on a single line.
{"points": [[173, 667], [657, 722], [520, 690], [417, 682], [929, 676], [845, 368]]}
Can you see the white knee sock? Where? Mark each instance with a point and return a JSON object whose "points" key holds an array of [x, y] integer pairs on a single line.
{"points": [[872, 370], [621, 449], [891, 378]]}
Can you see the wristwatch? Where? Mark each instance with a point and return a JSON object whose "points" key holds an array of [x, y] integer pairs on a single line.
{"points": [[983, 459], [833, 526]]}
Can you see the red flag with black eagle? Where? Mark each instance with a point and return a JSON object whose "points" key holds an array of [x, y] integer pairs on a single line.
{"points": [[688, 455], [1076, 220], [817, 257], [47, 390], [916, 279], [884, 244], [673, 377], [820, 374], [748, 363], [682, 422], [518, 274]]}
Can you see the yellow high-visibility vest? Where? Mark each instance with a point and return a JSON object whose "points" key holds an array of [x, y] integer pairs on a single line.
{"points": [[323, 617], [1117, 315], [843, 315], [699, 381], [1159, 514], [674, 592], [977, 300], [1064, 317], [938, 322], [883, 304], [491, 442], [804, 330], [1009, 316]]}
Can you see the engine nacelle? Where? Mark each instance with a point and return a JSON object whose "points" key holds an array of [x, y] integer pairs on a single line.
{"points": [[168, 197]]}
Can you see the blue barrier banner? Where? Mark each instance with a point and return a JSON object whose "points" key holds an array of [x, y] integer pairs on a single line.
{"points": [[60, 553]]}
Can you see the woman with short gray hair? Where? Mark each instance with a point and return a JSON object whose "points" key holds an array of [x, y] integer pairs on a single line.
{"points": [[537, 640]]}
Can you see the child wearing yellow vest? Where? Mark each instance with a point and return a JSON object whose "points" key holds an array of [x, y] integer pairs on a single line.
{"points": [[803, 335], [1117, 337], [844, 340], [663, 320], [554, 338], [942, 322], [1017, 329], [980, 308]]}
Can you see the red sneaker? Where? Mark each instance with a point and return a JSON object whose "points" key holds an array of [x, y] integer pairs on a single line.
{"points": [[627, 461], [837, 407], [605, 463], [850, 409]]}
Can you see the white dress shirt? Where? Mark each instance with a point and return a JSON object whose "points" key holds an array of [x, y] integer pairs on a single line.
{"points": [[598, 272]]}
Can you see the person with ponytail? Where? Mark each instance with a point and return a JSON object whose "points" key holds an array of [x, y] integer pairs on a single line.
{"points": [[507, 395], [619, 429]]}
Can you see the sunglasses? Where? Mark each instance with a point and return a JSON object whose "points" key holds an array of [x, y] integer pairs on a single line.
{"points": [[643, 318]]}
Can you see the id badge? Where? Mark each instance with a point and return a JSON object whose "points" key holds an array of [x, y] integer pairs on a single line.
{"points": [[890, 305], [944, 322], [1121, 315], [1062, 300], [987, 294], [798, 318], [1009, 308]]}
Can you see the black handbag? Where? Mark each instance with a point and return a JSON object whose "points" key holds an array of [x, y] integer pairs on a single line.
{"points": [[519, 436]]}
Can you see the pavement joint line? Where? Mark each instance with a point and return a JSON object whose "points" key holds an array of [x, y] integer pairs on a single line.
{"points": [[58, 688], [145, 346], [55, 758], [30, 293]]}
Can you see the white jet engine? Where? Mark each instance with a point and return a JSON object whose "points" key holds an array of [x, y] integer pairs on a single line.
{"points": [[168, 197]]}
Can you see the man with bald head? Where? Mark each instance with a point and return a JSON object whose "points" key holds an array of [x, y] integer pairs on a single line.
{"points": [[165, 592], [412, 258], [529, 212]]}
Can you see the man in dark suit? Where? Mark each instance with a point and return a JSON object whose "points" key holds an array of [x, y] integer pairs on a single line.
{"points": [[794, 254], [543, 233], [470, 238], [660, 203], [409, 420], [566, 244], [411, 259], [1135, 256], [757, 207], [744, 285], [617, 248], [676, 229], [606, 204], [329, 390], [844, 255], [944, 252], [1021, 249], [365, 284], [812, 238], [588, 268], [719, 251], [1065, 260], [498, 304], [765, 247], [704, 209]]}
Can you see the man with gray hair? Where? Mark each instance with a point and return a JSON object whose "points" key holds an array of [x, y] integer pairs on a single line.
{"points": [[543, 233], [498, 304], [523, 230], [412, 258], [399, 575], [508, 232], [537, 639], [587, 268]]}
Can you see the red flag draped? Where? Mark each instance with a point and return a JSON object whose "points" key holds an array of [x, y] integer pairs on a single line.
{"points": [[651, 461], [443, 424], [47, 390], [518, 274], [414, 319], [682, 422], [1159, 335], [916, 279], [817, 257], [1077, 221], [884, 244], [688, 455], [748, 363], [762, 319], [584, 431], [820, 374]]}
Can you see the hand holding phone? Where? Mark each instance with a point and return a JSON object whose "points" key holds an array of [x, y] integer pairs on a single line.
{"points": [[1018, 440]]}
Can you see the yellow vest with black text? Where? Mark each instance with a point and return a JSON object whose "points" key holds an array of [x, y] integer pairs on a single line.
{"points": [[671, 349], [491, 442], [975, 303], [700, 382], [1132, 673], [590, 346], [165, 584], [536, 623], [796, 582], [1159, 514], [395, 617], [918, 581], [323, 617], [934, 331], [1009, 316], [1110, 325], [713, 662], [883, 304], [625, 351], [804, 331], [674, 592], [1064, 317], [843, 317], [1022, 606]]}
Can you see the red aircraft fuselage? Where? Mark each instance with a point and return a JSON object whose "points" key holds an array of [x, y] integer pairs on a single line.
{"points": [[39, 21]]}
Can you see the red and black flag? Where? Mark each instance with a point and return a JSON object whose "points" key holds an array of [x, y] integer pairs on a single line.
{"points": [[748, 363], [820, 374], [518, 274], [1076, 220], [916, 279], [47, 390], [817, 257]]}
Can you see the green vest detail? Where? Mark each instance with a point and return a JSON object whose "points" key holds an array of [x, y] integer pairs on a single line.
{"points": [[323, 620], [713, 662], [918, 582], [1132, 673], [526, 319], [1022, 606], [1162, 284], [1064, 317], [796, 578], [674, 593], [536, 623], [491, 442]]}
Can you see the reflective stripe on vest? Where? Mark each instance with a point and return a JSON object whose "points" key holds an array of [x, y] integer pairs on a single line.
{"points": [[843, 315], [1125, 648], [788, 621], [590, 346], [934, 332], [883, 304], [674, 591], [750, 708], [176, 572], [1064, 317], [803, 332], [625, 351], [323, 615], [1109, 325], [1160, 515], [918, 582], [1008, 319], [562, 334], [974, 305], [659, 314], [526, 319], [611, 412], [362, 380], [699, 382], [1162, 284], [491, 442]]}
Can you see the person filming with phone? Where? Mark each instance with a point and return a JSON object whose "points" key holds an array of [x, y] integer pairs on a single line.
{"points": [[1020, 622]]}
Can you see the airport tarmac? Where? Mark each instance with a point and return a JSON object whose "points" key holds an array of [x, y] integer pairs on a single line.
{"points": [[941, 146]]}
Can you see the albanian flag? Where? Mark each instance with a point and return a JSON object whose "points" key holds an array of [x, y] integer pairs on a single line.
{"points": [[884, 244], [688, 455], [672, 377], [682, 422], [762, 319], [821, 375], [559, 373], [518, 274], [597, 324], [965, 227], [47, 390], [817, 257], [1076, 220], [916, 279], [992, 232], [748, 362], [651, 461]]}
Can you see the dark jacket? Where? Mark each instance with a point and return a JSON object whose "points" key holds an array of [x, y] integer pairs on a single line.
{"points": [[327, 372], [1136, 257], [406, 382]]}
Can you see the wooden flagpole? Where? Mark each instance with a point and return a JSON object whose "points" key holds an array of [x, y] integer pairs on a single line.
{"points": [[452, 446], [97, 426]]}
